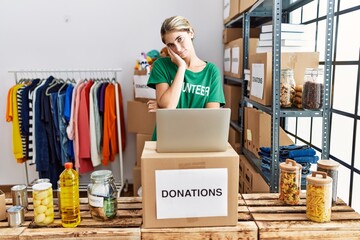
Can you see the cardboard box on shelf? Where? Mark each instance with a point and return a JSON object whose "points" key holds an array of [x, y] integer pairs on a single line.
{"points": [[202, 185], [234, 137], [233, 95], [2, 206], [261, 72], [230, 34], [258, 127], [140, 142], [231, 9], [236, 65], [253, 181], [245, 5], [136, 179], [139, 119], [141, 91]]}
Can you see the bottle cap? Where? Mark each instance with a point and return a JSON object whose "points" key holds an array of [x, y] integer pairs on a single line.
{"points": [[68, 165]]}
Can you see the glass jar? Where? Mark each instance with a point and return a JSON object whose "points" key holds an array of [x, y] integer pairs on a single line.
{"points": [[290, 182], [287, 87], [313, 88], [331, 168], [318, 197], [102, 194], [43, 204]]}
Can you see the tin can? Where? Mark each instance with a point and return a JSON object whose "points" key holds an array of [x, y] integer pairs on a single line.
{"points": [[19, 196], [15, 215]]}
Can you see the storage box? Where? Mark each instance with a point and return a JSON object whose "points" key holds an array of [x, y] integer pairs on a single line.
{"points": [[253, 181], [236, 46], [2, 206], [140, 142], [234, 137], [245, 5], [231, 9], [136, 179], [261, 72], [233, 95], [142, 91], [139, 119], [189, 189], [230, 34]]}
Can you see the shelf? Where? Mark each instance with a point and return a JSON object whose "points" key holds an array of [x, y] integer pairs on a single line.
{"points": [[286, 112], [236, 126], [233, 80]]}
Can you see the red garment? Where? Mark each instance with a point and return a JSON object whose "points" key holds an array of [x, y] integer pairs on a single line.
{"points": [[110, 138], [84, 130]]}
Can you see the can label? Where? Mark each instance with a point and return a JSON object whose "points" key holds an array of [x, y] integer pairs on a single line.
{"points": [[96, 201]]}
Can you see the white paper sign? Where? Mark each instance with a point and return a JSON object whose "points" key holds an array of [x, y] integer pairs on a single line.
{"points": [[141, 88], [257, 80], [190, 193], [227, 61], [235, 53], [226, 8]]}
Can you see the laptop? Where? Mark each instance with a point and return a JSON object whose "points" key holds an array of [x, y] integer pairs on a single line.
{"points": [[192, 129]]}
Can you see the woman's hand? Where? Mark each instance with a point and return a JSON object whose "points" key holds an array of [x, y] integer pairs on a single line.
{"points": [[152, 105], [175, 58]]}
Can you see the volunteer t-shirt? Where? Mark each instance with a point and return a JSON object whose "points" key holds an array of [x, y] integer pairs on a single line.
{"points": [[198, 89]]}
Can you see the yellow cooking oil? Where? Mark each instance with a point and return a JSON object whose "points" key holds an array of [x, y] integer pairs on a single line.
{"points": [[69, 197]]}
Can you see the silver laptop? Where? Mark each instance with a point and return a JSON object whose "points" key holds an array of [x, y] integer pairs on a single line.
{"points": [[192, 130]]}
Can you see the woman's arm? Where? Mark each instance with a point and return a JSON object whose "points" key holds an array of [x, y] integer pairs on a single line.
{"points": [[212, 105]]}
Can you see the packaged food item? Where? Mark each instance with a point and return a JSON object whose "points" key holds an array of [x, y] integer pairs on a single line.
{"points": [[287, 87], [69, 197], [43, 204], [290, 182], [19, 196], [102, 194], [313, 89], [318, 197], [331, 168]]}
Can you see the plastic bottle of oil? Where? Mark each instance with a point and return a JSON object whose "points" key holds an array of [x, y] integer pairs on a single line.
{"points": [[69, 197]]}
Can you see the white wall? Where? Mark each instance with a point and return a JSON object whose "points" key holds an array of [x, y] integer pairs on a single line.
{"points": [[88, 34]]}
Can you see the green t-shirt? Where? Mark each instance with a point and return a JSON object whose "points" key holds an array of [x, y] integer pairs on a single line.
{"points": [[199, 88]]}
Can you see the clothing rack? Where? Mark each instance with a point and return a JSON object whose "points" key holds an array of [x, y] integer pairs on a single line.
{"points": [[33, 73]]}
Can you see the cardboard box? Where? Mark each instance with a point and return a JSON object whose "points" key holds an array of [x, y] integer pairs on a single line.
{"points": [[165, 176], [140, 142], [231, 9], [245, 5], [261, 72], [141, 91], [230, 34], [253, 181], [236, 65], [139, 119], [2, 206], [233, 96], [258, 131], [136, 179], [234, 137]]}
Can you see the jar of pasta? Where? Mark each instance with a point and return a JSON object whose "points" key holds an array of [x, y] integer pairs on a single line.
{"points": [[331, 168], [290, 182], [318, 197], [287, 87], [43, 203]]}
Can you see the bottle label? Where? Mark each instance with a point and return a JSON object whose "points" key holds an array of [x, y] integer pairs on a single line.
{"points": [[96, 201]]}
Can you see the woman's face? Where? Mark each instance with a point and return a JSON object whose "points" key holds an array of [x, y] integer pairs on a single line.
{"points": [[180, 42]]}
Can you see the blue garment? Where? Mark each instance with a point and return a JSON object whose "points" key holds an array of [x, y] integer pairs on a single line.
{"points": [[64, 141], [306, 159], [302, 152], [67, 104], [41, 141], [55, 119]]}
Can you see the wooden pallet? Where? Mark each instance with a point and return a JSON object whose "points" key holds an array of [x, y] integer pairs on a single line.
{"points": [[278, 221]]}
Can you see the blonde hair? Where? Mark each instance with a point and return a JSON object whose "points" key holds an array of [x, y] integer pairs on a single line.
{"points": [[175, 23]]}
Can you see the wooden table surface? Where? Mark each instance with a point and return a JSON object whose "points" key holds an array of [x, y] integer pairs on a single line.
{"points": [[260, 216]]}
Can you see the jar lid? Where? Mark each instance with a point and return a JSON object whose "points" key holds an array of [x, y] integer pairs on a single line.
{"points": [[318, 177], [328, 164], [14, 209], [18, 187], [314, 71], [101, 175], [41, 186], [290, 165]]}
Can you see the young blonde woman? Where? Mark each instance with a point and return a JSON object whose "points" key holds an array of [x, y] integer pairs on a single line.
{"points": [[183, 80]]}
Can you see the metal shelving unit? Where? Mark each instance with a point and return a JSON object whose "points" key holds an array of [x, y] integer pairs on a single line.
{"points": [[261, 12]]}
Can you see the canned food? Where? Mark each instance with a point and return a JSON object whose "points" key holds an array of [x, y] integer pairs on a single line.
{"points": [[15, 216], [19, 196]]}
